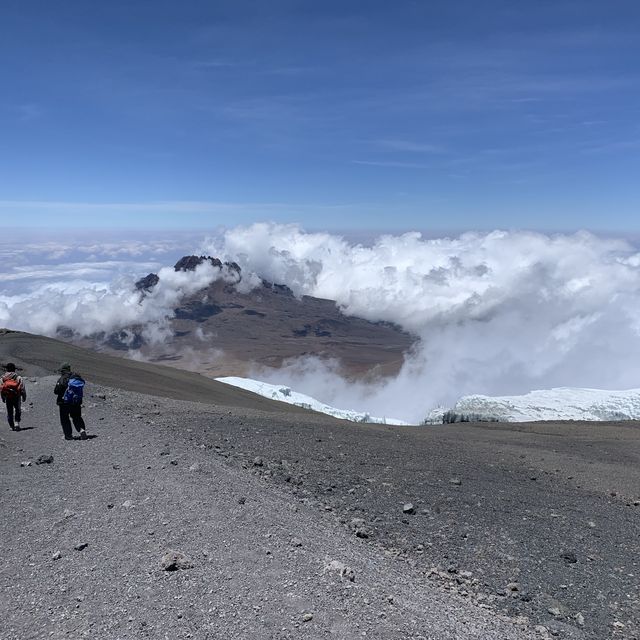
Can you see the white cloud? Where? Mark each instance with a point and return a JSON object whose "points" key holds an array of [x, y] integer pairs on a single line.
{"points": [[496, 313], [94, 307]]}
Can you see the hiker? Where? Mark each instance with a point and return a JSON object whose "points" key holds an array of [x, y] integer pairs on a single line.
{"points": [[13, 394], [69, 391]]}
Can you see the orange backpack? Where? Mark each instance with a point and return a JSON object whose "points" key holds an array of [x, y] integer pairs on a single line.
{"points": [[11, 388]]}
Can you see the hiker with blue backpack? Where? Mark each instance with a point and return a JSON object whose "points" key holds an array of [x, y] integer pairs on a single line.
{"points": [[69, 390]]}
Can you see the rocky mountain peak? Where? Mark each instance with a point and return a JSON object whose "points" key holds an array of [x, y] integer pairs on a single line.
{"points": [[189, 263], [186, 263], [148, 282]]}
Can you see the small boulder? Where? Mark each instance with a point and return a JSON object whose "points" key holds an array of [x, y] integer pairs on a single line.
{"points": [[45, 459], [175, 560], [345, 572], [569, 557], [408, 508]]}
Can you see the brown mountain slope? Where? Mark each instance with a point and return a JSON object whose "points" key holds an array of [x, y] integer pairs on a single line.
{"points": [[221, 331]]}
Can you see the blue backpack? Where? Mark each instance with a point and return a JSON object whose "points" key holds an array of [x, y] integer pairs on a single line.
{"points": [[73, 394]]}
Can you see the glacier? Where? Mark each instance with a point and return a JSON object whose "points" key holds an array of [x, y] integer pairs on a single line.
{"points": [[563, 403], [282, 393]]}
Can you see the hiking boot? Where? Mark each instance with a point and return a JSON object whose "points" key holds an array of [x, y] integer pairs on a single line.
{"points": [[83, 434], [17, 426], [68, 437]]}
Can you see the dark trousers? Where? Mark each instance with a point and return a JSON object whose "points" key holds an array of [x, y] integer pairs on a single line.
{"points": [[70, 412], [14, 411]]}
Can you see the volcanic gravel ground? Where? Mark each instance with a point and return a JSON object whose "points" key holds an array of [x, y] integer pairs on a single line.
{"points": [[265, 532], [538, 521]]}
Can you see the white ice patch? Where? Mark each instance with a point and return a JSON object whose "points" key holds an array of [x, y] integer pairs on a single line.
{"points": [[550, 404], [283, 393]]}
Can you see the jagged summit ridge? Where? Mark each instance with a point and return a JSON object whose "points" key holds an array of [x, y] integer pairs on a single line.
{"points": [[188, 263]]}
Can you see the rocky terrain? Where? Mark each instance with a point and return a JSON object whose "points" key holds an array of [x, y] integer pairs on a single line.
{"points": [[148, 530], [296, 525]]}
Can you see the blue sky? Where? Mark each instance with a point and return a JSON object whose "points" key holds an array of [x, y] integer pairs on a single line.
{"points": [[361, 115]]}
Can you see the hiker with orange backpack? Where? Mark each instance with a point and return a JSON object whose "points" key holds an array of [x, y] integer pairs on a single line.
{"points": [[13, 394]]}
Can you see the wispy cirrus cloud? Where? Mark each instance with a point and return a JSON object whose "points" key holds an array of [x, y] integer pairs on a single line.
{"points": [[407, 145], [391, 163], [27, 112]]}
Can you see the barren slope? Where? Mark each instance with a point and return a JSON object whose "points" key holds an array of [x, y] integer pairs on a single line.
{"points": [[37, 355], [85, 534]]}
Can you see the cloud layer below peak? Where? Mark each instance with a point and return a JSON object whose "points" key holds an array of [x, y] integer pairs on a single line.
{"points": [[495, 313]]}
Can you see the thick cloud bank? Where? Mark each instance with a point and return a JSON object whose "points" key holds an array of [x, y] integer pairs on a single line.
{"points": [[497, 313]]}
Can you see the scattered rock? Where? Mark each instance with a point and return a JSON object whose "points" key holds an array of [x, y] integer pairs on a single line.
{"points": [[296, 542], [513, 586], [26, 463], [579, 619], [127, 504], [174, 463], [56, 556], [345, 572], [242, 500], [569, 557], [195, 467], [455, 481], [408, 508], [358, 527], [45, 459], [258, 461], [175, 560], [307, 617], [82, 546]]}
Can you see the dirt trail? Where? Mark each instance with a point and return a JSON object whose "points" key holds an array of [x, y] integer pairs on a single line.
{"points": [[148, 482]]}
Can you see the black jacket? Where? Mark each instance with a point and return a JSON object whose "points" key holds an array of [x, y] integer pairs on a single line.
{"points": [[61, 385]]}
